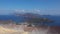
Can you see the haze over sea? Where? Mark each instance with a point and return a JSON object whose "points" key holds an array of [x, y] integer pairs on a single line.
{"points": [[19, 19]]}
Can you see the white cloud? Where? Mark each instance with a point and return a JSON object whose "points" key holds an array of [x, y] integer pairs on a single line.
{"points": [[5, 12], [50, 12], [38, 11], [19, 11]]}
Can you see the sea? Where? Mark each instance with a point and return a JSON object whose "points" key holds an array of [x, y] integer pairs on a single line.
{"points": [[19, 19]]}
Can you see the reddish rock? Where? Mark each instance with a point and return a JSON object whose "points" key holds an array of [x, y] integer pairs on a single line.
{"points": [[55, 29]]}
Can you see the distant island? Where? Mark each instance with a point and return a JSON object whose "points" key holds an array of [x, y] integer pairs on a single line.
{"points": [[30, 18]]}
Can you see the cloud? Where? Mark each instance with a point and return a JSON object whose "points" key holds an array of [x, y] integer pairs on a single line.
{"points": [[28, 11], [37, 11], [50, 12], [19, 11], [6, 12]]}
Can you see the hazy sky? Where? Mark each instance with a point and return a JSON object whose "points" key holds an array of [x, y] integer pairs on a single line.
{"points": [[51, 7]]}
